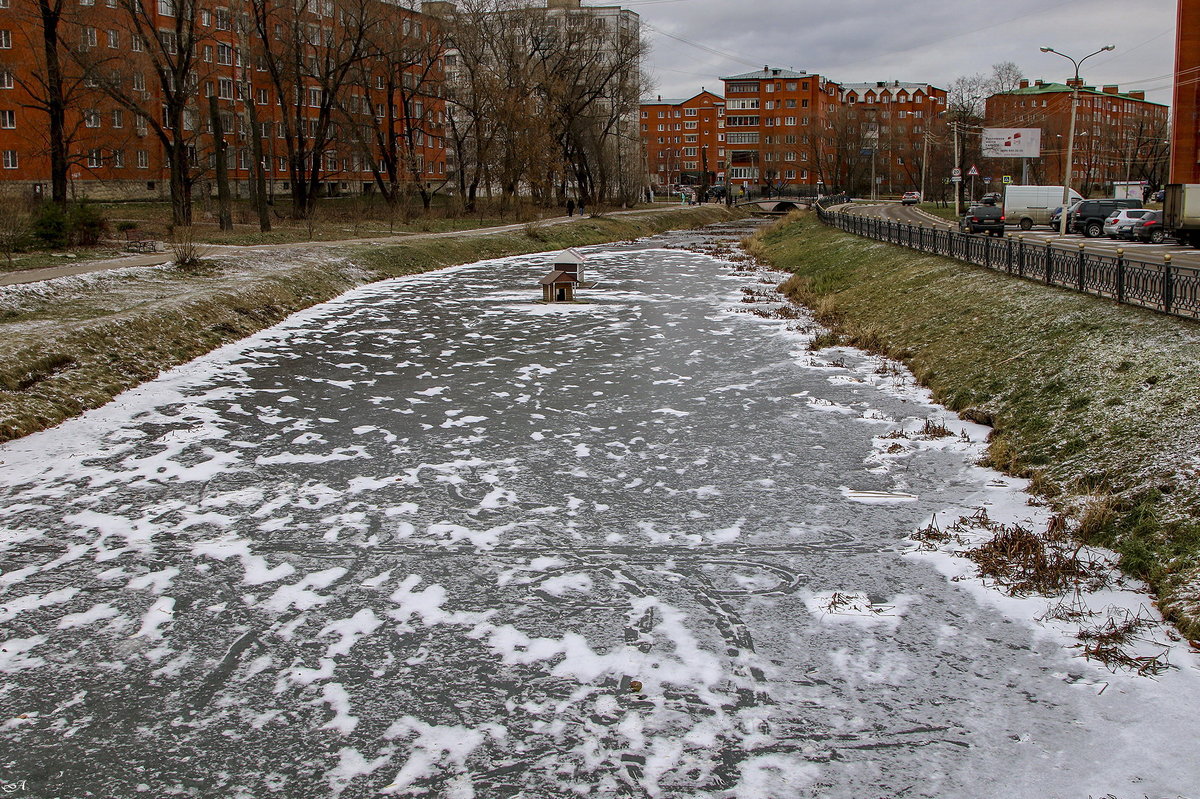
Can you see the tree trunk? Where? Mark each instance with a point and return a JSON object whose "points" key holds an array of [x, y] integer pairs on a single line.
{"points": [[224, 203], [258, 179], [55, 102]]}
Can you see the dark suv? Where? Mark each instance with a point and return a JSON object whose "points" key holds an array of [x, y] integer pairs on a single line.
{"points": [[983, 219], [1087, 217]]}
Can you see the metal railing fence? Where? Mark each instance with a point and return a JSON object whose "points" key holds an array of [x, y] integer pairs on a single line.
{"points": [[1165, 287]]}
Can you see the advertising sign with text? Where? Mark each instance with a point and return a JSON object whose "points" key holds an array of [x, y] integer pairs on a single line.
{"points": [[1012, 142]]}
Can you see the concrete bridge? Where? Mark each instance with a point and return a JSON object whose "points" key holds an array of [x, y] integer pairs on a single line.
{"points": [[774, 207]]}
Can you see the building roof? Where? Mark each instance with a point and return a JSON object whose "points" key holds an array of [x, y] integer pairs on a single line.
{"points": [[1059, 88], [892, 85], [569, 256], [769, 72], [558, 276], [680, 100]]}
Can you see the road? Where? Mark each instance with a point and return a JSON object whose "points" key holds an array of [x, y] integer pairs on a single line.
{"points": [[1134, 251], [436, 539]]}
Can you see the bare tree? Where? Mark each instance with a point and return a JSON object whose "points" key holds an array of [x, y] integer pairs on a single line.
{"points": [[309, 49], [158, 83], [394, 103], [53, 83]]}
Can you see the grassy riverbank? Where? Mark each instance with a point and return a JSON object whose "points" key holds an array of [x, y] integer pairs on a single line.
{"points": [[1098, 403], [73, 344]]}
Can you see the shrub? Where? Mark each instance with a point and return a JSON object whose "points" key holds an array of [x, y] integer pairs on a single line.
{"points": [[86, 224], [50, 226]]}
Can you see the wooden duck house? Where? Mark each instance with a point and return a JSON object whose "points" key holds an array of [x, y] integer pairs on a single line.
{"points": [[560, 285]]}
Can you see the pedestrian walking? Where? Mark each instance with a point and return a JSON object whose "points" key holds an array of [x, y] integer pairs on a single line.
{"points": [[571, 208], [582, 211]]}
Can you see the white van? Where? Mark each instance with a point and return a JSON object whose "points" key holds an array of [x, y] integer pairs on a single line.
{"points": [[1027, 206]]}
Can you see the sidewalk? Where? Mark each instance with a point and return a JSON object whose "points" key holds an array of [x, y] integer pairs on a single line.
{"points": [[218, 250]]}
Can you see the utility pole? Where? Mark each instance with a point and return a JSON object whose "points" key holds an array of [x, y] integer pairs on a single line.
{"points": [[958, 166]]}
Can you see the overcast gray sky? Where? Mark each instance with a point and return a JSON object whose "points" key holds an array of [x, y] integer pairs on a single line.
{"points": [[907, 40]]}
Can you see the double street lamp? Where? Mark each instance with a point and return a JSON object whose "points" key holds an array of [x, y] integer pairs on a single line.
{"points": [[1070, 168]]}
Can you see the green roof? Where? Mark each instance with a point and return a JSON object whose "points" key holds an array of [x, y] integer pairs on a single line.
{"points": [[1059, 88]]}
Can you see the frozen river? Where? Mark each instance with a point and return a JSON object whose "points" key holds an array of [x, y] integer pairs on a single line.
{"points": [[428, 538]]}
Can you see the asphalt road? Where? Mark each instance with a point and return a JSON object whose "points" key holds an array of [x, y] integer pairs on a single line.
{"points": [[1134, 251]]}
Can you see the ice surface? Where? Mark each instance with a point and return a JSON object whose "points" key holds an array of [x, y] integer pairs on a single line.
{"points": [[436, 539]]}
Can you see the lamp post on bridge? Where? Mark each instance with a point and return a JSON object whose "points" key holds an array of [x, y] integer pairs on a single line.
{"points": [[1068, 172]]}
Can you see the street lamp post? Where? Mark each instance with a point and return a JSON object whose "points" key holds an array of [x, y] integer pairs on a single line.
{"points": [[1070, 168]]}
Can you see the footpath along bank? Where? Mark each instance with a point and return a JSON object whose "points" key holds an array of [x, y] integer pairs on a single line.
{"points": [[72, 344], [1098, 403]]}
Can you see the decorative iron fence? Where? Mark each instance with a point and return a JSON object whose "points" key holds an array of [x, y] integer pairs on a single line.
{"points": [[1164, 287]]}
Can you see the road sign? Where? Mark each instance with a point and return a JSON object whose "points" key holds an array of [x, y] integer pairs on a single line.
{"points": [[956, 179], [1006, 179], [956, 172], [987, 181], [972, 172]]}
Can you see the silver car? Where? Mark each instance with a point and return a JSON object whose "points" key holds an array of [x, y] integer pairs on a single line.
{"points": [[1120, 224]]}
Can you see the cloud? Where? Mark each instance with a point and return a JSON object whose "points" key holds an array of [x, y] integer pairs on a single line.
{"points": [[930, 40]]}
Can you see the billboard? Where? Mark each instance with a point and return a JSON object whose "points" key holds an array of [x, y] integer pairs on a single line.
{"points": [[1012, 142]]}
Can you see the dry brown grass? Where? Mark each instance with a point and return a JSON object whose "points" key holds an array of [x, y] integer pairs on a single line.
{"points": [[1022, 562]]}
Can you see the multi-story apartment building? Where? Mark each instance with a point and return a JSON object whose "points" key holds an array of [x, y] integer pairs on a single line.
{"points": [[117, 98], [1118, 136], [896, 120], [1185, 121], [785, 129], [776, 123], [683, 139]]}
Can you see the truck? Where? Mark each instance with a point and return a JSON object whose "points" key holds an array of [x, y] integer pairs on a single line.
{"points": [[1026, 206], [1181, 212]]}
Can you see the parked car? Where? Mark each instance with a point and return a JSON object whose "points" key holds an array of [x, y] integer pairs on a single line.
{"points": [[1088, 217], [1123, 218], [910, 198], [1056, 217], [987, 218], [1150, 228], [1158, 195], [993, 197]]}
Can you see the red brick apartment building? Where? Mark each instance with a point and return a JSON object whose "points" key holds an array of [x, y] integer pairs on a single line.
{"points": [[684, 138], [781, 129], [1185, 127], [1118, 136], [112, 148]]}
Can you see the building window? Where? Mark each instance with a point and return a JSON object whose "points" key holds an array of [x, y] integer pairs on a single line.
{"points": [[689, 112], [790, 120], [10, 159], [6, 79], [118, 159], [95, 159], [166, 8], [791, 87], [225, 88], [690, 125], [118, 118], [8, 119], [139, 82], [91, 118], [135, 44], [224, 55]]}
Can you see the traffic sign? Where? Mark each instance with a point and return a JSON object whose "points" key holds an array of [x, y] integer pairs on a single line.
{"points": [[987, 181], [956, 179], [1006, 179], [956, 172], [972, 172]]}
